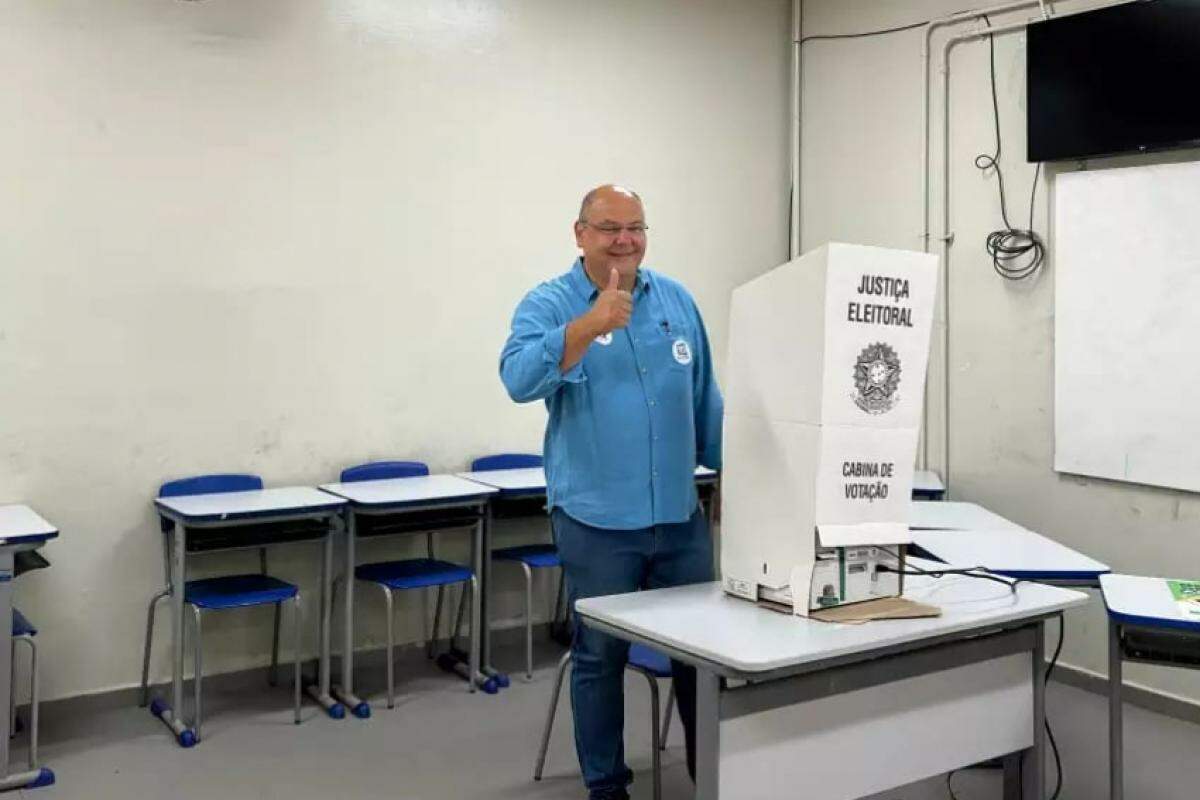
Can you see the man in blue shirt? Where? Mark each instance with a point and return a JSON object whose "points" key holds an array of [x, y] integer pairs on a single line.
{"points": [[621, 357]]}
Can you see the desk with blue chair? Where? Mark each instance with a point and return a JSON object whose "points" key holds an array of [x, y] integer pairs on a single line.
{"points": [[521, 493], [21, 531], [214, 513], [520, 484], [396, 497], [1146, 624]]}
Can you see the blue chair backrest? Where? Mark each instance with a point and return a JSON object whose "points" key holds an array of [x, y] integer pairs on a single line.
{"points": [[506, 461], [210, 484], [206, 484], [383, 470]]}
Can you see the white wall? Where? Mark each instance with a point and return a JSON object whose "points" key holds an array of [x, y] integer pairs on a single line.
{"points": [[861, 182], [284, 236]]}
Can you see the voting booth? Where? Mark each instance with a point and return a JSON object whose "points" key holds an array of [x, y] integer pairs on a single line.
{"points": [[826, 382]]}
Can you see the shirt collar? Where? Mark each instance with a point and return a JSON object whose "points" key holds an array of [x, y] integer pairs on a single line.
{"points": [[588, 291]]}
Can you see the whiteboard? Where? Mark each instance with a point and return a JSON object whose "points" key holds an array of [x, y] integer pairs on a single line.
{"points": [[1127, 324]]}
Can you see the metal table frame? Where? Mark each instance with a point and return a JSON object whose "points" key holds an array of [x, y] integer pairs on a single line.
{"points": [[12, 543], [716, 700], [176, 561], [504, 495], [1120, 651], [354, 509]]}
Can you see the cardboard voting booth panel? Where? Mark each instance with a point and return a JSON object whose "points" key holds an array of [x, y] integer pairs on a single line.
{"points": [[826, 381]]}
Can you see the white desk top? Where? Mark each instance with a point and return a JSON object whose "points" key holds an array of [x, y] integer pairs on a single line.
{"points": [[533, 479], [702, 621], [1013, 551], [409, 491], [241, 505], [510, 481], [933, 515], [19, 523], [925, 480], [1144, 601]]}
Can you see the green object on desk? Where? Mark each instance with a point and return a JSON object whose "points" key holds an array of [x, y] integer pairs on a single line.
{"points": [[1187, 597]]}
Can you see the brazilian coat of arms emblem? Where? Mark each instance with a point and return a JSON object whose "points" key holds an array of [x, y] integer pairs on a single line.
{"points": [[876, 379]]}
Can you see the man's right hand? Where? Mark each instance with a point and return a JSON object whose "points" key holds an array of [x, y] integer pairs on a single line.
{"points": [[612, 308]]}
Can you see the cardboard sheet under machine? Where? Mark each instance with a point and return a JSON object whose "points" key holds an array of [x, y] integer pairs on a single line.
{"points": [[827, 358]]}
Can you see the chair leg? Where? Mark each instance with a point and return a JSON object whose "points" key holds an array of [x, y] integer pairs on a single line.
{"points": [[391, 639], [462, 606], [437, 621], [33, 703], [474, 666], [655, 762], [154, 601], [528, 621], [273, 675], [558, 682], [297, 649], [666, 723], [558, 600], [12, 689], [198, 653]]}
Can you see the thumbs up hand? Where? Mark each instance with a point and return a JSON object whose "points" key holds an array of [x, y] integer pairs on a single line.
{"points": [[612, 308]]}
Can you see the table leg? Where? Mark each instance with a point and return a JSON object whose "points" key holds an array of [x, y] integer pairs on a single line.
{"points": [[708, 734], [320, 691], [1116, 774], [6, 577], [172, 715], [345, 692], [478, 626], [485, 591], [28, 778]]}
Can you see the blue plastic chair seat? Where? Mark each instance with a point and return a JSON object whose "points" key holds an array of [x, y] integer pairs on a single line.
{"points": [[237, 591], [413, 573], [651, 660], [21, 625], [535, 555]]}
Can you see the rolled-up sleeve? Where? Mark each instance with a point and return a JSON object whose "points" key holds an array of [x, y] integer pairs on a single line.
{"points": [[529, 363], [709, 405]]}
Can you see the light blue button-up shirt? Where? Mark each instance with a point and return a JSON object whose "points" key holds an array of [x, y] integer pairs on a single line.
{"points": [[628, 423]]}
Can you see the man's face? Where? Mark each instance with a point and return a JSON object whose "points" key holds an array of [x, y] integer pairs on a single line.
{"points": [[606, 238]]}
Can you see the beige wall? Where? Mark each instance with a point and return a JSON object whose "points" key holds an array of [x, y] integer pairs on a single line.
{"points": [[284, 236], [861, 182]]}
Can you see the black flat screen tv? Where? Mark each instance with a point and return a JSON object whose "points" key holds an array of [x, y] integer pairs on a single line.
{"points": [[1116, 80]]}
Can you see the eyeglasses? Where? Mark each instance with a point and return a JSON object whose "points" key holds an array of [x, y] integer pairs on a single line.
{"points": [[637, 229]]}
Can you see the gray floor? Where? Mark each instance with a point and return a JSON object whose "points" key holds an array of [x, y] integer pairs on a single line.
{"points": [[440, 742]]}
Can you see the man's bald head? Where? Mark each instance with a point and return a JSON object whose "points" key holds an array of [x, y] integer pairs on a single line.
{"points": [[611, 232], [607, 192]]}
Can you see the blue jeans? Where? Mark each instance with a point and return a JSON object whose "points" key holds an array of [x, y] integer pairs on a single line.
{"points": [[601, 562]]}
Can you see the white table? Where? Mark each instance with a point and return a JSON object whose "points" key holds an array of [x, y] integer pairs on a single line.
{"points": [[928, 485], [521, 492], [1144, 625], [20, 529], [967, 535], [842, 711], [199, 513], [432, 502]]}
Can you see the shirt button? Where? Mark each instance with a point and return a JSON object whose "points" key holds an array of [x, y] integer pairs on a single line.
{"points": [[643, 370], [655, 437], [651, 402], [656, 473]]}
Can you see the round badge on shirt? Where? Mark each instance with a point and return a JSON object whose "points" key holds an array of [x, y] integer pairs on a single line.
{"points": [[604, 338], [681, 351]]}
